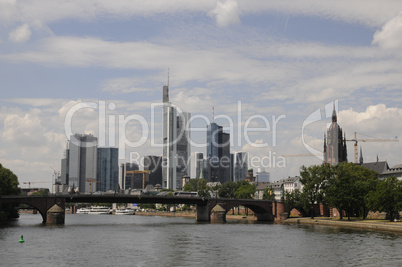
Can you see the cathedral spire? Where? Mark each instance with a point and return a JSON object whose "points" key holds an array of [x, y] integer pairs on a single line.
{"points": [[334, 118], [361, 156]]}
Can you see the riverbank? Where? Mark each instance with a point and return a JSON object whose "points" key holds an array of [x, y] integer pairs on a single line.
{"points": [[192, 215], [382, 225]]}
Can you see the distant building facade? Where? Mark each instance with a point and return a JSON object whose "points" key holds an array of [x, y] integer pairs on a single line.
{"points": [[241, 166], [262, 176], [130, 180], [80, 162], [154, 165], [218, 154], [199, 164], [108, 169]]}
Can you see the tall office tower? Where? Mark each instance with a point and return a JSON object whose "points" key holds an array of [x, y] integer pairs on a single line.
{"points": [[82, 161], [154, 165], [108, 169], [241, 166], [218, 154], [176, 147], [205, 169], [130, 180], [231, 171], [199, 164], [334, 145], [64, 166]]}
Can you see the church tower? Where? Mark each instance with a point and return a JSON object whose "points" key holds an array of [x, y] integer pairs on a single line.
{"points": [[334, 143]]}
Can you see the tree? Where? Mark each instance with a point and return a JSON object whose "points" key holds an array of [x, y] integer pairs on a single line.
{"points": [[295, 200], [268, 194], [348, 189], [387, 197], [8, 186], [245, 190], [198, 185], [228, 190], [313, 179]]}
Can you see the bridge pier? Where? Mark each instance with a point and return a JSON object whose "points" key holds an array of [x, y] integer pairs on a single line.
{"points": [[55, 215], [203, 214]]}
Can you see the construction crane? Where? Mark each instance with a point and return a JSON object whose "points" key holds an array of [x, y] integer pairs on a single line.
{"points": [[90, 181], [29, 183], [368, 140], [143, 176]]}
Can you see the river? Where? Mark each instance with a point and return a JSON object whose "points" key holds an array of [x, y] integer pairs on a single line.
{"points": [[112, 240]]}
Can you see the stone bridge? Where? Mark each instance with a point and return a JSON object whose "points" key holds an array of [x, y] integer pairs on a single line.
{"points": [[52, 208]]}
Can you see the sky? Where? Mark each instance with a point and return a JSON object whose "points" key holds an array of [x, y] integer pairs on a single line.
{"points": [[272, 70]]}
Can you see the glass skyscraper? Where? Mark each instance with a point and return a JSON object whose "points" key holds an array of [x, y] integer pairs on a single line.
{"points": [[108, 169]]}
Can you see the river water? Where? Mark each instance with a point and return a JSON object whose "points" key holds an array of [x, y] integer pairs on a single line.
{"points": [[112, 240]]}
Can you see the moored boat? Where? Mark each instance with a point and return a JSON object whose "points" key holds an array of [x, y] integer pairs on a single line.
{"points": [[125, 212]]}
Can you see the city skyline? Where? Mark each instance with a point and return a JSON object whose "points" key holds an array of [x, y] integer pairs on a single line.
{"points": [[275, 58]]}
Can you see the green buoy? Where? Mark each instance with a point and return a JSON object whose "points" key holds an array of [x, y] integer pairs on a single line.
{"points": [[22, 239]]}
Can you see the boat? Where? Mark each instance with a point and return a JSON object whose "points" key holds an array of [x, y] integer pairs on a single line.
{"points": [[100, 210], [124, 212], [94, 210], [83, 211]]}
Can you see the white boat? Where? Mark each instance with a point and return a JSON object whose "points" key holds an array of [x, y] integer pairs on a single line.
{"points": [[83, 211], [99, 210], [95, 210], [124, 212]]}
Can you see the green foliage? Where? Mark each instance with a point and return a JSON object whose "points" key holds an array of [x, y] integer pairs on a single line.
{"points": [[296, 200], [147, 205], [8, 186], [245, 190], [349, 187], [8, 182], [40, 193], [198, 185], [313, 179], [268, 194], [167, 190], [387, 197], [228, 190]]}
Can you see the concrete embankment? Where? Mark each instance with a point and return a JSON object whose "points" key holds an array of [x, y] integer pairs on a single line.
{"points": [[192, 215], [381, 225]]}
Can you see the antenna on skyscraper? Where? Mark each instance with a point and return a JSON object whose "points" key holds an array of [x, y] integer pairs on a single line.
{"points": [[213, 114], [168, 78]]}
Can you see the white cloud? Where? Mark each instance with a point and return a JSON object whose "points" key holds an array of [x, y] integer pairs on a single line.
{"points": [[128, 84], [26, 130], [366, 12], [390, 36], [226, 13], [20, 34]]}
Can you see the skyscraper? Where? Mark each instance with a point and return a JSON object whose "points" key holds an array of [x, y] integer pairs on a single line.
{"points": [[108, 169], [132, 180], [176, 147], [334, 145], [241, 166], [232, 178], [199, 164], [218, 154], [81, 161], [154, 165]]}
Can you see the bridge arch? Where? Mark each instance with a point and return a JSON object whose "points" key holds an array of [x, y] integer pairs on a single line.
{"points": [[263, 211]]}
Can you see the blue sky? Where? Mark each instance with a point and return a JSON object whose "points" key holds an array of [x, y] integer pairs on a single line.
{"points": [[278, 58]]}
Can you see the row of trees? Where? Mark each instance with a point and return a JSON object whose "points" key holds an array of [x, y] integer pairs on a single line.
{"points": [[8, 186], [241, 189], [348, 187]]}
